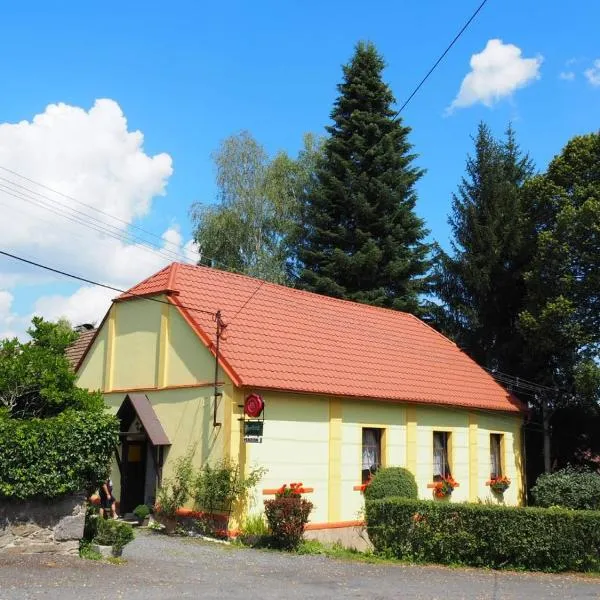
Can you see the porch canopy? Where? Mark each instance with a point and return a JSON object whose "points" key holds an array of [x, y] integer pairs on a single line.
{"points": [[139, 405]]}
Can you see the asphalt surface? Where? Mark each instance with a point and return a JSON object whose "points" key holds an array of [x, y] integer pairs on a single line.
{"points": [[161, 567]]}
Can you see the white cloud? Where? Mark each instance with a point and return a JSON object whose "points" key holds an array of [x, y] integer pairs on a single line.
{"points": [[91, 157], [87, 305], [567, 75], [593, 73], [496, 72]]}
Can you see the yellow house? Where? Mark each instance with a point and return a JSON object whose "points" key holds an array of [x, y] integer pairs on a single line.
{"points": [[346, 388]]}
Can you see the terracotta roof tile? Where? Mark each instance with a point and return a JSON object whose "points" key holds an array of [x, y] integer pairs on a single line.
{"points": [[79, 347], [289, 339]]}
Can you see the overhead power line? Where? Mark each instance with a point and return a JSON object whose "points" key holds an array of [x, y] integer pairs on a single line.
{"points": [[439, 60], [69, 213], [89, 206], [97, 283]]}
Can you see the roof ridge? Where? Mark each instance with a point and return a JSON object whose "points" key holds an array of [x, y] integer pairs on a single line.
{"points": [[446, 339], [305, 292], [173, 267], [129, 290]]}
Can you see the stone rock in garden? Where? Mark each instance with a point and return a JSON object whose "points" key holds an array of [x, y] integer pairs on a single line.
{"points": [[6, 539], [24, 529], [69, 528], [33, 548]]}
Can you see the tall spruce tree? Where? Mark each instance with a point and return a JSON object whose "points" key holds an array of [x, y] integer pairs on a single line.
{"points": [[361, 238], [481, 285]]}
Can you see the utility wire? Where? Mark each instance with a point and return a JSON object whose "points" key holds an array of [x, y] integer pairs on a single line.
{"points": [[98, 210], [94, 223], [103, 285], [439, 60]]}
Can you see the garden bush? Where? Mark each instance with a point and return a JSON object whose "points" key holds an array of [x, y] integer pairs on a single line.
{"points": [[569, 488], [141, 511], [217, 488], [113, 533], [47, 458], [175, 491], [392, 482], [540, 539], [287, 515]]}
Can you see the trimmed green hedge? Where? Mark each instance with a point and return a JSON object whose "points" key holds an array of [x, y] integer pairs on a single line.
{"points": [[569, 488], [392, 482], [60, 455], [538, 539]]}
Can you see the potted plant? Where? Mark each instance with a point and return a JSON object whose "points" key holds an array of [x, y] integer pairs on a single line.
{"points": [[112, 534], [444, 487], [499, 484], [141, 513]]}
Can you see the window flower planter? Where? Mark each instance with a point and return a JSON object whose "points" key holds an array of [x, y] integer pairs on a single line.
{"points": [[499, 485], [444, 487]]}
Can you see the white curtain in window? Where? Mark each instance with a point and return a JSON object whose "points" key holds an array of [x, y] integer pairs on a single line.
{"points": [[370, 452], [496, 469], [438, 454]]}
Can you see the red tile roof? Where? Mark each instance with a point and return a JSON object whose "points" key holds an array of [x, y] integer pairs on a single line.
{"points": [[76, 351], [281, 338]]}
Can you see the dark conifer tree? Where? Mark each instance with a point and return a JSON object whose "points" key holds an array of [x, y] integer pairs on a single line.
{"points": [[481, 284], [361, 239]]}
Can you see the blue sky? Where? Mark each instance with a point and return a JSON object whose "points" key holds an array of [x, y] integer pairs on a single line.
{"points": [[187, 75]]}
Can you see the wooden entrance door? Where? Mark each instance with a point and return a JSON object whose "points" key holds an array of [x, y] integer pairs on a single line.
{"points": [[133, 476]]}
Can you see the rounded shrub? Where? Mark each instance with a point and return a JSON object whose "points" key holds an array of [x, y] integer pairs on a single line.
{"points": [[569, 488], [392, 482]]}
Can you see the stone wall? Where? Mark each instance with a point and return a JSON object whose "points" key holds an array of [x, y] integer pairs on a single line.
{"points": [[33, 526]]}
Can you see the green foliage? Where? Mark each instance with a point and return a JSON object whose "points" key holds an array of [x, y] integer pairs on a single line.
{"points": [[539, 539], [361, 238], [569, 488], [59, 455], [481, 285], [113, 533], [255, 525], [287, 515], [392, 482], [86, 551], [217, 488], [36, 379], [175, 491], [561, 318], [141, 511], [252, 228], [90, 528]]}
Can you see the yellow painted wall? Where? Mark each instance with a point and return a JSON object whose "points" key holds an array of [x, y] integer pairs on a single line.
{"points": [[511, 460], [318, 441], [152, 348], [189, 361], [137, 327], [295, 448], [356, 415], [187, 418], [91, 372]]}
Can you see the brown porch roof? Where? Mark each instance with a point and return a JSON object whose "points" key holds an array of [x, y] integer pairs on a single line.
{"points": [[141, 405]]}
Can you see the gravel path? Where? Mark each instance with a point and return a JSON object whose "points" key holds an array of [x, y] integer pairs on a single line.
{"points": [[159, 567]]}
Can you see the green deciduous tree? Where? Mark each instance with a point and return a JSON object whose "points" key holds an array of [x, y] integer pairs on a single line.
{"points": [[361, 239], [481, 284], [251, 230], [561, 317], [36, 379]]}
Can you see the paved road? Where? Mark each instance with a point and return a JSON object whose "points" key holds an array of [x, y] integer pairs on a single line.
{"points": [[159, 567]]}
